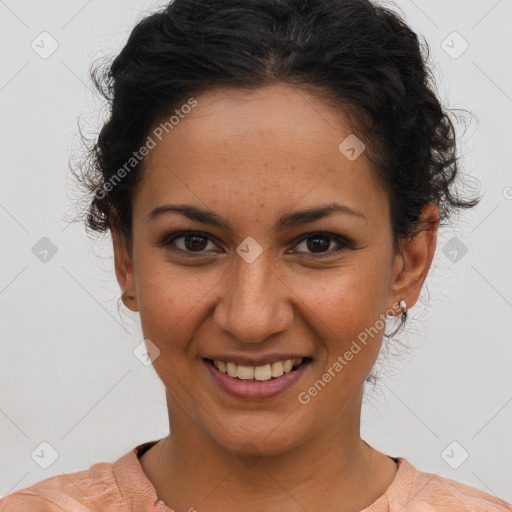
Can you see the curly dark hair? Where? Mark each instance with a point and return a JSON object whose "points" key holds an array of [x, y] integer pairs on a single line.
{"points": [[360, 57]]}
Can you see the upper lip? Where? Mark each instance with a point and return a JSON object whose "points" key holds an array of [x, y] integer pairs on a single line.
{"points": [[260, 360]]}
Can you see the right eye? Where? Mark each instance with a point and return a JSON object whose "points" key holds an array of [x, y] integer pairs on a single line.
{"points": [[190, 242]]}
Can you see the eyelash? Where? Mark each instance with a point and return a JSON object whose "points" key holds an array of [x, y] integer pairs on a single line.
{"points": [[343, 243]]}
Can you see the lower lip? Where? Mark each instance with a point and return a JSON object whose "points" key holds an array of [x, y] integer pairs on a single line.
{"points": [[256, 389]]}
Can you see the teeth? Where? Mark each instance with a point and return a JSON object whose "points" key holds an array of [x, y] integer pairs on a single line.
{"points": [[287, 365], [262, 372], [265, 372], [231, 369], [277, 369], [245, 372]]}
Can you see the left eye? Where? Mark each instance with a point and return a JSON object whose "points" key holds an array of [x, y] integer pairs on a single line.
{"points": [[321, 241]]}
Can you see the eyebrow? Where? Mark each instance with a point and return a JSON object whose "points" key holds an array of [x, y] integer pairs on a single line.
{"points": [[287, 220]]}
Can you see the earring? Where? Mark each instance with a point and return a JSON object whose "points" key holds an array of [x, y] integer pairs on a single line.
{"points": [[403, 307]]}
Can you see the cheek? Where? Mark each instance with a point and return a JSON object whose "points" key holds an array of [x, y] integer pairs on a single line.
{"points": [[167, 302], [346, 296], [344, 310], [175, 308]]}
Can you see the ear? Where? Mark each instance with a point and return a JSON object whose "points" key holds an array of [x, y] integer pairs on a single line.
{"points": [[124, 272], [413, 263]]}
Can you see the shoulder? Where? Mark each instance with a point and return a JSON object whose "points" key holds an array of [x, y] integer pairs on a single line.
{"points": [[78, 492], [432, 492]]}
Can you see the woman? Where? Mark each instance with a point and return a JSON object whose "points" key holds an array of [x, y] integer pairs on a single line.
{"points": [[273, 174]]}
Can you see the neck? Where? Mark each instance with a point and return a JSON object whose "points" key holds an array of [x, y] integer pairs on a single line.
{"points": [[336, 470]]}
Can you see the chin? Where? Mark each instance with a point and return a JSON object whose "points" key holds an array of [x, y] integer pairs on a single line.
{"points": [[250, 444]]}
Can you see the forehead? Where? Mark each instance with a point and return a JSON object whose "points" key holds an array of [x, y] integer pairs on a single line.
{"points": [[277, 144]]}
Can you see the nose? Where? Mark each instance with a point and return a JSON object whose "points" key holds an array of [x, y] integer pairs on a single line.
{"points": [[254, 302]]}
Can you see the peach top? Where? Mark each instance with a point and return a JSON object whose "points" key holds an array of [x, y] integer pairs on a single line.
{"points": [[123, 486]]}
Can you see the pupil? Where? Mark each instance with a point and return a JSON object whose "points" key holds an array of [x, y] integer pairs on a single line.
{"points": [[195, 244], [315, 245]]}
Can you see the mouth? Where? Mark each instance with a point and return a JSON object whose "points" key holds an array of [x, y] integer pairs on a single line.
{"points": [[257, 383], [260, 373]]}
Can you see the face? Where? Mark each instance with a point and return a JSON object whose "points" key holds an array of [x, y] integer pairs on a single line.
{"points": [[264, 280]]}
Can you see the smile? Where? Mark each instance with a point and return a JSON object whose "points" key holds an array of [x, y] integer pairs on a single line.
{"points": [[257, 382], [265, 372]]}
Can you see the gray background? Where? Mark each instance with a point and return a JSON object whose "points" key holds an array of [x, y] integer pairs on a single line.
{"points": [[68, 375]]}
